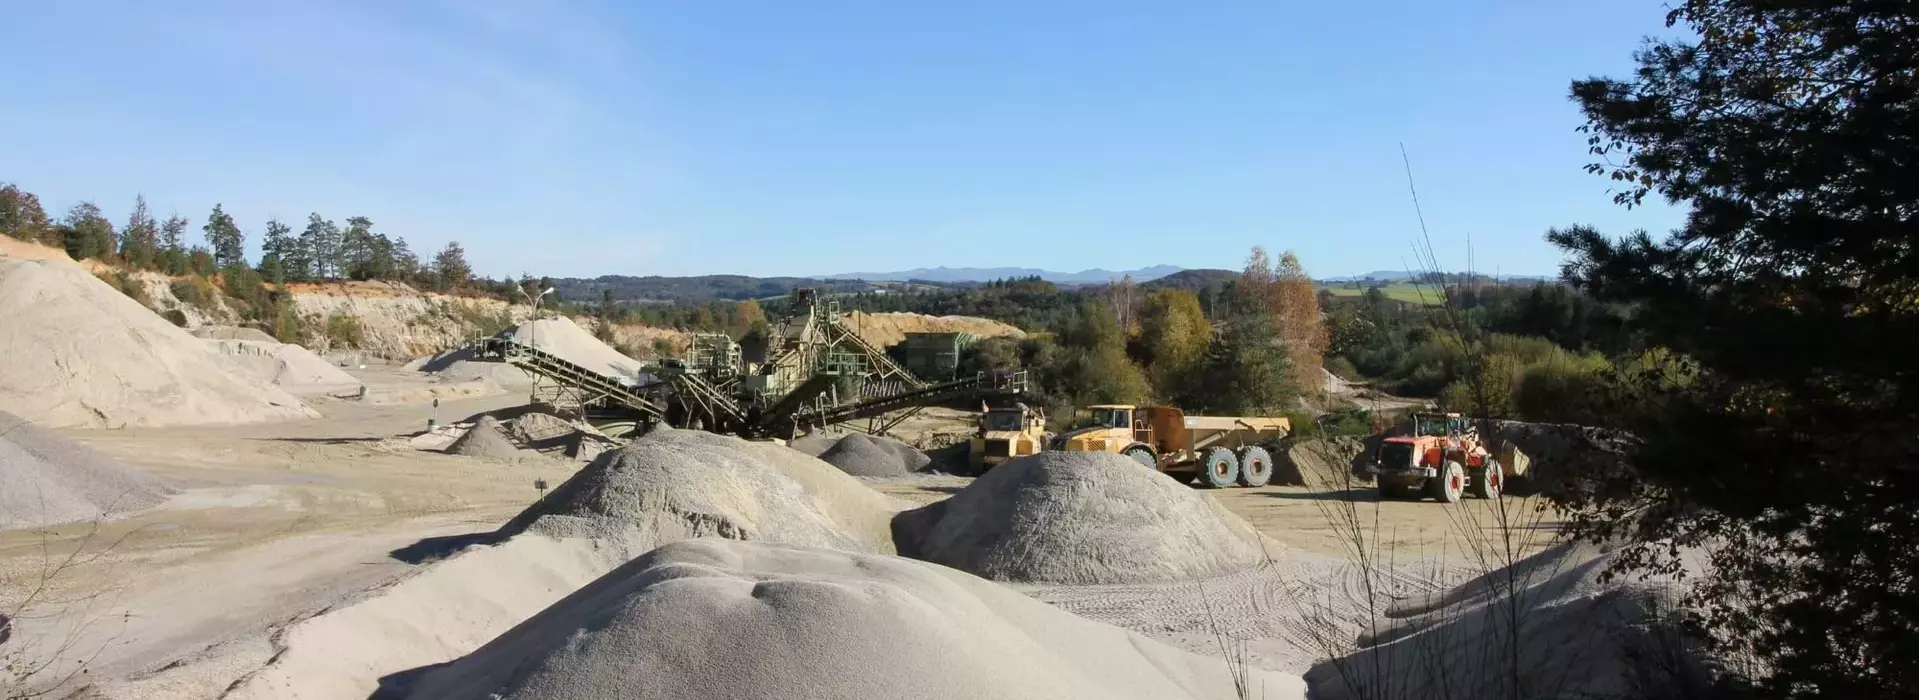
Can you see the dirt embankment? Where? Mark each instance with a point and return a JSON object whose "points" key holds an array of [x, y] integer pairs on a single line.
{"points": [[890, 328], [398, 322]]}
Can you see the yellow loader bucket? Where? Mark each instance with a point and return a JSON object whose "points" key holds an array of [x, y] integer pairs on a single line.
{"points": [[1512, 461]]}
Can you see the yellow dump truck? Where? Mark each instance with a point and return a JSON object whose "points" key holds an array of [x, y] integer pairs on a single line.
{"points": [[1007, 432], [1219, 450]]}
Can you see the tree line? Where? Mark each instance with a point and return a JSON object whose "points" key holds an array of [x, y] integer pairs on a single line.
{"points": [[322, 251]]}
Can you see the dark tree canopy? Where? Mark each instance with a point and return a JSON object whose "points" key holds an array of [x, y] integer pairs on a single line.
{"points": [[1791, 130]]}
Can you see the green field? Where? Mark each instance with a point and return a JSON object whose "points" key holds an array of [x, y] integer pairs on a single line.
{"points": [[1397, 291]]}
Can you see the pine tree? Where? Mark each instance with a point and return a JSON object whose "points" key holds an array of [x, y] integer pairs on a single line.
{"points": [[450, 267], [173, 245], [276, 249], [356, 248], [320, 242], [87, 233], [224, 237], [140, 240], [406, 265]]}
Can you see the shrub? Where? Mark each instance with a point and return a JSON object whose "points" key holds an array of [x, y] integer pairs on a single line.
{"points": [[344, 331], [197, 292], [1342, 368]]}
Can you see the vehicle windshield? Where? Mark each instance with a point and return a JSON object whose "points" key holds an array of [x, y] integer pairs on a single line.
{"points": [[1113, 417], [1432, 426], [1002, 420], [1396, 455]]}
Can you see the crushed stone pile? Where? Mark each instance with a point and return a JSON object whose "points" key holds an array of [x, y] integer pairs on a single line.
{"points": [[1574, 634], [291, 367], [712, 619], [79, 354], [815, 443], [865, 455], [714, 485], [485, 440], [535, 427], [1080, 518], [46, 479]]}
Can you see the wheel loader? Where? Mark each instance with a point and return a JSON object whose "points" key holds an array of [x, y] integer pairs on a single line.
{"points": [[1217, 450], [1444, 458], [1007, 432]]}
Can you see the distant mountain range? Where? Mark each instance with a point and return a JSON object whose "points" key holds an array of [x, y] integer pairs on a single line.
{"points": [[987, 274], [1402, 275]]}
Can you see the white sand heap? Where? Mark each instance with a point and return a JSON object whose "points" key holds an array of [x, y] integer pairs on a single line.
{"points": [[667, 486], [864, 455], [561, 336], [75, 352], [712, 619], [1081, 518], [290, 367], [46, 479], [718, 485], [1544, 627], [485, 440]]}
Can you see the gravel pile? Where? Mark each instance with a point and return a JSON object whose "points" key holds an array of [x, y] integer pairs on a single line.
{"points": [[864, 455], [535, 427], [46, 479], [1573, 633], [485, 440], [1080, 518], [713, 619], [75, 352], [694, 483]]}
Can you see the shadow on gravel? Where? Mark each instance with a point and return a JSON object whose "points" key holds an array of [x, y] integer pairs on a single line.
{"points": [[1347, 495], [399, 684], [434, 548]]}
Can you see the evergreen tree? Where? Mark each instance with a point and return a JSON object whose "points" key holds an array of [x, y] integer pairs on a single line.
{"points": [[1245, 370], [173, 245], [87, 233], [320, 242], [356, 248], [225, 239], [277, 248], [406, 265], [140, 239], [450, 267], [1788, 296]]}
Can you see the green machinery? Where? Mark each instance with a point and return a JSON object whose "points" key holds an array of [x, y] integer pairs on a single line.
{"points": [[815, 372]]}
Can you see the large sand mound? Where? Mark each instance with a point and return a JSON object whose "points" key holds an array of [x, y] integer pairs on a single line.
{"points": [[75, 352], [718, 485], [290, 367], [561, 336], [1080, 518], [46, 479], [667, 486], [864, 455], [716, 619], [1546, 626]]}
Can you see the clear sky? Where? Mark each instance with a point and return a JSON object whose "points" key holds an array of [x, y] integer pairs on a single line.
{"points": [[776, 137]]}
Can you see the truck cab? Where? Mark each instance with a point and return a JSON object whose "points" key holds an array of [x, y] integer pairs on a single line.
{"points": [[1007, 432]]}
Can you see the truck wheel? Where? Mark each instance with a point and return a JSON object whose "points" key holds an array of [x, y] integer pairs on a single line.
{"points": [[1486, 484], [1219, 469], [1449, 485], [1255, 466], [1144, 457]]}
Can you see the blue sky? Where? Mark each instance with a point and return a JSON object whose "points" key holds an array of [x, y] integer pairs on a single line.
{"points": [[770, 137]]}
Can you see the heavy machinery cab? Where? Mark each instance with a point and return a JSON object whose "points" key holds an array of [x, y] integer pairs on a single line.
{"points": [[1441, 425]]}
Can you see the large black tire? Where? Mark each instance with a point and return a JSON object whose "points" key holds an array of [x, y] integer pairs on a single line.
{"points": [[1143, 456], [1450, 485], [1255, 466], [1219, 469], [1486, 482]]}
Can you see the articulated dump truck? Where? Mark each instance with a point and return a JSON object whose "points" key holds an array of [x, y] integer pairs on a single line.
{"points": [[1218, 450]]}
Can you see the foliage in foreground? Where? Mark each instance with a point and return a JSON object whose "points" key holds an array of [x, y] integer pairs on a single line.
{"points": [[1789, 296]]}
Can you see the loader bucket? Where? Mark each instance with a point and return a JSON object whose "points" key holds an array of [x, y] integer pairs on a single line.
{"points": [[1512, 461]]}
